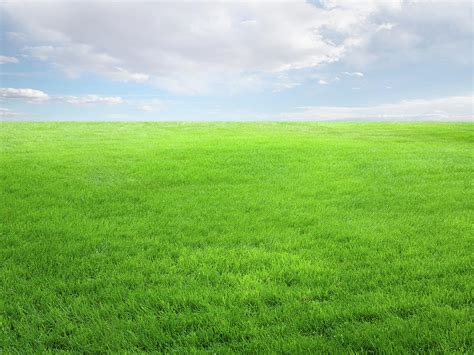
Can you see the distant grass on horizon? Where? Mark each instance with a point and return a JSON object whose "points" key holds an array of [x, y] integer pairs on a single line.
{"points": [[240, 237]]}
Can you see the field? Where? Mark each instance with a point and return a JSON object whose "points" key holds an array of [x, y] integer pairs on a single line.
{"points": [[236, 237]]}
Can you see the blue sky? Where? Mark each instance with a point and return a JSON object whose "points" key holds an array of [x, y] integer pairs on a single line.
{"points": [[233, 60]]}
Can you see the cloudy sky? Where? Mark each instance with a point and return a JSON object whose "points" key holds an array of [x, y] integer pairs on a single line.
{"points": [[234, 60]]}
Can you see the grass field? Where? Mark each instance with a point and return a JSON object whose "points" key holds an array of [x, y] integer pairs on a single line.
{"points": [[236, 237]]}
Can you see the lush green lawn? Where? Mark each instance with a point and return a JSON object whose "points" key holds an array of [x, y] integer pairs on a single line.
{"points": [[247, 237]]}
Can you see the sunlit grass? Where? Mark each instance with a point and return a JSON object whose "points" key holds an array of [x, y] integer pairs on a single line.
{"points": [[283, 237]]}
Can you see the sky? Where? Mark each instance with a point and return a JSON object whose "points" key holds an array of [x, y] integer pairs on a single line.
{"points": [[237, 61]]}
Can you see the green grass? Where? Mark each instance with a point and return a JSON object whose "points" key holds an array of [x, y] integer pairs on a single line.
{"points": [[236, 237]]}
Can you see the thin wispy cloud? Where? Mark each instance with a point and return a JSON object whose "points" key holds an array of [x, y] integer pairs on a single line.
{"points": [[38, 96], [7, 60], [455, 108], [6, 113], [91, 99], [152, 106], [356, 73], [328, 81]]}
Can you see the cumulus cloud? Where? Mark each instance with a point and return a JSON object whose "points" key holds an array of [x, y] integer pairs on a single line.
{"points": [[456, 108], [6, 60], [195, 46], [26, 94], [203, 46]]}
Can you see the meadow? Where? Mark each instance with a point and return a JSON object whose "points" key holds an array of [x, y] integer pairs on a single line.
{"points": [[236, 237]]}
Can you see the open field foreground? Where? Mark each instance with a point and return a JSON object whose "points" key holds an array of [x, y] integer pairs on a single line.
{"points": [[236, 237]]}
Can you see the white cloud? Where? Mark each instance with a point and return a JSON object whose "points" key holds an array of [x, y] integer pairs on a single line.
{"points": [[26, 94], [200, 46], [356, 73], [328, 81], [92, 99], [7, 113], [152, 106], [444, 109], [121, 74], [386, 26], [75, 59], [191, 46], [32, 95], [6, 60]]}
